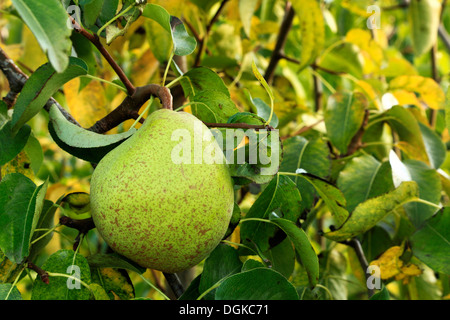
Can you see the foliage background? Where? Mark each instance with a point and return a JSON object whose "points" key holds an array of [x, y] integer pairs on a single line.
{"points": [[327, 56]]}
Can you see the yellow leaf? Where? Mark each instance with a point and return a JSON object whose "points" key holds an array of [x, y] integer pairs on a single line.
{"points": [[144, 68], [405, 97], [389, 262], [391, 265], [88, 105], [20, 164], [396, 66], [14, 51], [368, 90], [370, 49], [33, 56], [411, 270], [56, 190], [427, 90]]}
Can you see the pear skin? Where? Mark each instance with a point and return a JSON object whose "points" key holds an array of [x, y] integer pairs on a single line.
{"points": [[160, 213]]}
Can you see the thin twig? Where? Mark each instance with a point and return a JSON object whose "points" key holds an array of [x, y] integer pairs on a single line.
{"points": [[318, 92], [174, 283], [238, 126], [356, 245], [130, 106], [445, 37], [203, 40], [402, 5], [42, 273], [434, 67], [278, 51], [95, 40]]}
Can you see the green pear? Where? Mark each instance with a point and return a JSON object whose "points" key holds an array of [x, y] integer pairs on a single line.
{"points": [[157, 200]]}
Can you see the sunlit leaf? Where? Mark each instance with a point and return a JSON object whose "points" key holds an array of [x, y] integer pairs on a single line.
{"points": [[369, 213], [343, 117], [43, 18], [427, 90]]}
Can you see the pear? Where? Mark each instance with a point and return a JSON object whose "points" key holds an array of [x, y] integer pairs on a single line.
{"points": [[160, 212]]}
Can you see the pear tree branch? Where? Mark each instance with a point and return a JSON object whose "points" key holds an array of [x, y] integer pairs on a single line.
{"points": [[278, 51], [202, 41], [16, 79], [95, 40]]}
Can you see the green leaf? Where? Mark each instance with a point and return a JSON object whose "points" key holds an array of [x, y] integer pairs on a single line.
{"points": [[424, 17], [246, 117], [34, 152], [309, 155], [113, 260], [210, 94], [129, 14], [409, 133], [370, 212], [22, 203], [434, 146], [282, 258], [44, 18], [82, 143], [11, 144], [431, 243], [343, 117], [256, 284], [430, 188], [250, 264], [201, 79], [45, 222], [108, 11], [41, 85], [262, 109], [281, 193], [311, 35], [192, 292], [9, 271], [213, 106], [343, 57], [91, 11], [8, 292], [222, 262], [303, 247], [246, 10], [331, 195], [383, 294], [60, 287], [99, 292], [76, 205], [266, 86], [183, 43], [114, 282], [364, 178]]}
